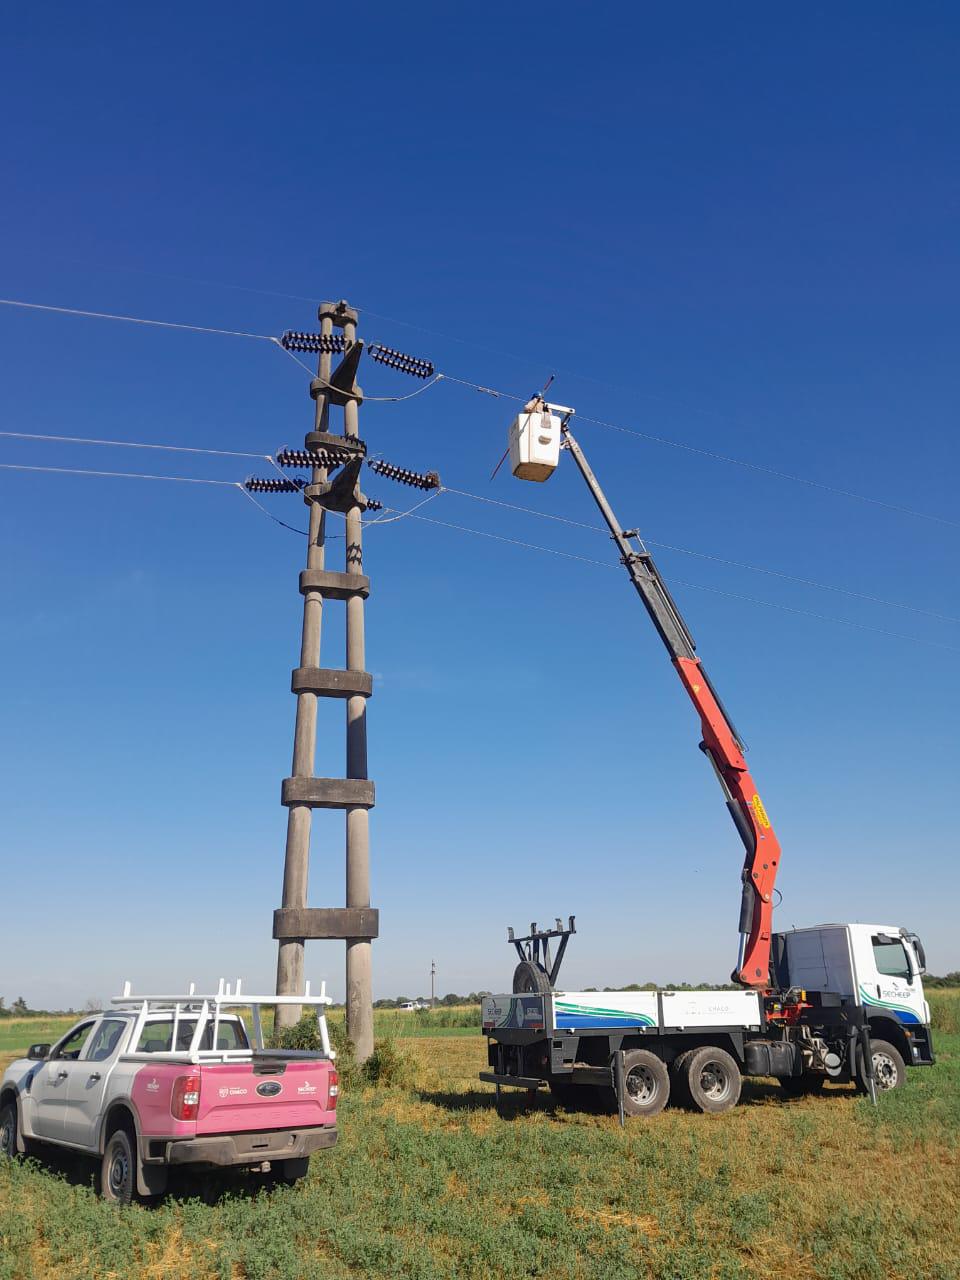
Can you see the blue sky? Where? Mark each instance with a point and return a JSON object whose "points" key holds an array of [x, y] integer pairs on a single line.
{"points": [[734, 227]]}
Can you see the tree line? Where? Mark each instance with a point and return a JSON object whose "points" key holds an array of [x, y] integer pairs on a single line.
{"points": [[19, 1008]]}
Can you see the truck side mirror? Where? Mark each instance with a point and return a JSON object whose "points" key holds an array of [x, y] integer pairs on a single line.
{"points": [[38, 1051]]}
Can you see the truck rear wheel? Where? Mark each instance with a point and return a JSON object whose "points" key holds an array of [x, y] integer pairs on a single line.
{"points": [[646, 1083], [118, 1171], [889, 1071], [712, 1080], [530, 979], [678, 1079]]}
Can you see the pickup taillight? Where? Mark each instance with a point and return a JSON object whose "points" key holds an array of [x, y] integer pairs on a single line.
{"points": [[333, 1090], [185, 1099]]}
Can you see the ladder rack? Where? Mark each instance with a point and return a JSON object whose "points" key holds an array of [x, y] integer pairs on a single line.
{"points": [[208, 1008]]}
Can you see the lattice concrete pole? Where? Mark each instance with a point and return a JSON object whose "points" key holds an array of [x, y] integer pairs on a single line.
{"points": [[296, 864], [359, 950]]}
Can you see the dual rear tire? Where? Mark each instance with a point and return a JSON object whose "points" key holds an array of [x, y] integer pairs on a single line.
{"points": [[646, 1083], [706, 1079]]}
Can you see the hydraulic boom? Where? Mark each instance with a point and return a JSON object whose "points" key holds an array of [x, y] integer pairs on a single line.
{"points": [[721, 744]]}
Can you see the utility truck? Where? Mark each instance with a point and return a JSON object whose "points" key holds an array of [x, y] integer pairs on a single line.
{"points": [[174, 1081], [841, 1002], [846, 1005]]}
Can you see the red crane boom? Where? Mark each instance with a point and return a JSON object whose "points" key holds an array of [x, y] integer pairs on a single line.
{"points": [[721, 743]]}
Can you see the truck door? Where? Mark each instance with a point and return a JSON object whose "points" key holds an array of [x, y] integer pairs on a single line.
{"points": [[887, 983], [88, 1081], [49, 1088]]}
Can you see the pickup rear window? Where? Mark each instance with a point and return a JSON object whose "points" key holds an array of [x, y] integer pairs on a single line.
{"points": [[157, 1035]]}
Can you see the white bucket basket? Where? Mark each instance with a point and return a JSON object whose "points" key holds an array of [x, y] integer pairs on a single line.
{"points": [[534, 445]]}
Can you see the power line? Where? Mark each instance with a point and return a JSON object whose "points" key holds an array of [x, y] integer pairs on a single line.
{"points": [[379, 399], [706, 555], [650, 437], [696, 586], [482, 533], [476, 497], [134, 444], [107, 315], [723, 457], [122, 475]]}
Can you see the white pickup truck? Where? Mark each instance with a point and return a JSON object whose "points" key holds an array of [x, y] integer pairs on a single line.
{"points": [[161, 1081]]}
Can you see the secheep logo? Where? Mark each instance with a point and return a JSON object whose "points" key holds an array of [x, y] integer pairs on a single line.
{"points": [[269, 1088]]}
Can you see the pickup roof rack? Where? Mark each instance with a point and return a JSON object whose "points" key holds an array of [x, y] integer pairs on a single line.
{"points": [[208, 1010]]}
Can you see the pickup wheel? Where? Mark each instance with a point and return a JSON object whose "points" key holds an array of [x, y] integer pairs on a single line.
{"points": [[646, 1083], [889, 1071], [118, 1172], [713, 1080], [8, 1131]]}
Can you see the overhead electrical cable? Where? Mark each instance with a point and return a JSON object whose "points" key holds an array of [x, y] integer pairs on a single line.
{"points": [[497, 502], [108, 315], [696, 586], [414, 514], [439, 377], [723, 457], [706, 555], [122, 475], [134, 444], [650, 437]]}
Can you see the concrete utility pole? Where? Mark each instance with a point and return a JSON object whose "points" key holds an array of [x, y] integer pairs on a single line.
{"points": [[433, 976], [357, 924]]}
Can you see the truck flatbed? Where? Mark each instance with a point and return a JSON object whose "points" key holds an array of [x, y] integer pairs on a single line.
{"points": [[640, 1012]]}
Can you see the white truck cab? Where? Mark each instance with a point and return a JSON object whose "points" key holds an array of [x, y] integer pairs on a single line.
{"points": [[877, 966]]}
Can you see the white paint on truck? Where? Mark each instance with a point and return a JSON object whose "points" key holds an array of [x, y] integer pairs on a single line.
{"points": [[874, 965]]}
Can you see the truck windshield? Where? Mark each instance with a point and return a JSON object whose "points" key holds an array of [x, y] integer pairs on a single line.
{"points": [[157, 1033], [890, 958]]}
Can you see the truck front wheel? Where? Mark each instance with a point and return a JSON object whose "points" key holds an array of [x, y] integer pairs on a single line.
{"points": [[712, 1080], [646, 1083], [889, 1071]]}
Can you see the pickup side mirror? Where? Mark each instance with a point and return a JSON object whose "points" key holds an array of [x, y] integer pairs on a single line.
{"points": [[38, 1051]]}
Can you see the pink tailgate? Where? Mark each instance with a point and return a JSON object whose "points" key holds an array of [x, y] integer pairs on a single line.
{"points": [[233, 1099], [152, 1094]]}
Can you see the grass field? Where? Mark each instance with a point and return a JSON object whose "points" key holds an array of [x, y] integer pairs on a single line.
{"points": [[429, 1182]]}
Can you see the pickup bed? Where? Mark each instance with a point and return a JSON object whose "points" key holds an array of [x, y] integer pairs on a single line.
{"points": [[151, 1087]]}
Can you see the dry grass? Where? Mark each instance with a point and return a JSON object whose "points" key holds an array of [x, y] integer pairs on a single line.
{"points": [[428, 1181]]}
